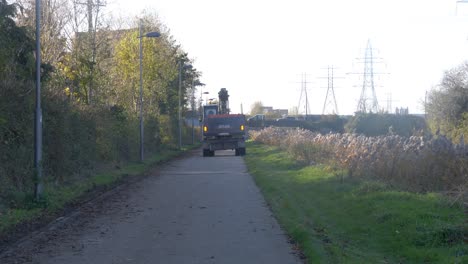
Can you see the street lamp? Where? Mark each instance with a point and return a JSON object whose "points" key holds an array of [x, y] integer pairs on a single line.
{"points": [[38, 113], [181, 66], [147, 35], [192, 104]]}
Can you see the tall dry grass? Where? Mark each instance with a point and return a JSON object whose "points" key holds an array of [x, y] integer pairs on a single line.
{"points": [[414, 163]]}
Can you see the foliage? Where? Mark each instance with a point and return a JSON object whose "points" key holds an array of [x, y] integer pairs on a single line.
{"points": [[447, 106], [16, 47], [16, 135], [414, 163], [371, 124], [90, 98], [356, 221], [16, 75], [327, 124], [272, 115], [256, 108]]}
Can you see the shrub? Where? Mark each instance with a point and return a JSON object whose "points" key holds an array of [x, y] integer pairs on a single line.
{"points": [[382, 124]]}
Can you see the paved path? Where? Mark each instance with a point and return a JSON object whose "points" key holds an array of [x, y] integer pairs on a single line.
{"points": [[197, 210]]}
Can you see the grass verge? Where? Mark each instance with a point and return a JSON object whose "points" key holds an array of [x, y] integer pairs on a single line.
{"points": [[351, 221], [58, 198]]}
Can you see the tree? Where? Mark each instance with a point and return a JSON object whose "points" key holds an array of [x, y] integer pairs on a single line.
{"points": [[17, 68], [447, 105], [78, 135], [256, 108], [69, 51], [160, 70], [55, 16], [161, 58], [16, 46]]}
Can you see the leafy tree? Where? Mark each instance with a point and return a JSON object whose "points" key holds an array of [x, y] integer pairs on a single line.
{"points": [[17, 71], [16, 47], [447, 106], [159, 72], [256, 108], [78, 135], [160, 59]]}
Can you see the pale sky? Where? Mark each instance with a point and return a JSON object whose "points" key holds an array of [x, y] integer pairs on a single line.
{"points": [[258, 49]]}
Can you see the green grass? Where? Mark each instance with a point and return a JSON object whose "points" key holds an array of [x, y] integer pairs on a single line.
{"points": [[351, 221], [57, 198]]}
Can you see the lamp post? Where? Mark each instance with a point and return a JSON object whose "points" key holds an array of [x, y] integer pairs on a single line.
{"points": [[192, 103], [181, 66], [38, 112], [147, 35]]}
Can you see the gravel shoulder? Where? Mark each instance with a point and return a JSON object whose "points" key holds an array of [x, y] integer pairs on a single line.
{"points": [[192, 210]]}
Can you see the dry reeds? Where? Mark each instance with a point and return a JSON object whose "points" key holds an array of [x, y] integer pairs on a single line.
{"points": [[415, 163]]}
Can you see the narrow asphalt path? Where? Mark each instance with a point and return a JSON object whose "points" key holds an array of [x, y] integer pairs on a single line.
{"points": [[194, 210]]}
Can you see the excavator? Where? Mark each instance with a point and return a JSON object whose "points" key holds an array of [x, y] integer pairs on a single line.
{"points": [[222, 130]]}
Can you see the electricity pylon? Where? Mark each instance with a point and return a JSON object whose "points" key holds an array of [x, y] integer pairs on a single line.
{"points": [[368, 99], [306, 98], [330, 106]]}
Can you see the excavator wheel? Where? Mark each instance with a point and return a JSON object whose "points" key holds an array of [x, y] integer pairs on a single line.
{"points": [[206, 153], [242, 151]]}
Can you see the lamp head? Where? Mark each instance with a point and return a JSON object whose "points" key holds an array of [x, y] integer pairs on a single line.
{"points": [[153, 35]]}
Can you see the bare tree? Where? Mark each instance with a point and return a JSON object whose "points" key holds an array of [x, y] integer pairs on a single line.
{"points": [[55, 17]]}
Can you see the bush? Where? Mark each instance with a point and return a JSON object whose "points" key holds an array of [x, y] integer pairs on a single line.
{"points": [[447, 105], [76, 138], [16, 136], [382, 124]]}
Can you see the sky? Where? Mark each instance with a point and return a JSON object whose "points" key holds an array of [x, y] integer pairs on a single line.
{"points": [[259, 49]]}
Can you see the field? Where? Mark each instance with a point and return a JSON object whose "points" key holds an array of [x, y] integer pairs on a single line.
{"points": [[416, 163], [340, 219]]}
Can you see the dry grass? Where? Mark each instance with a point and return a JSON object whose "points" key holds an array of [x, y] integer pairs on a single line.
{"points": [[414, 163]]}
